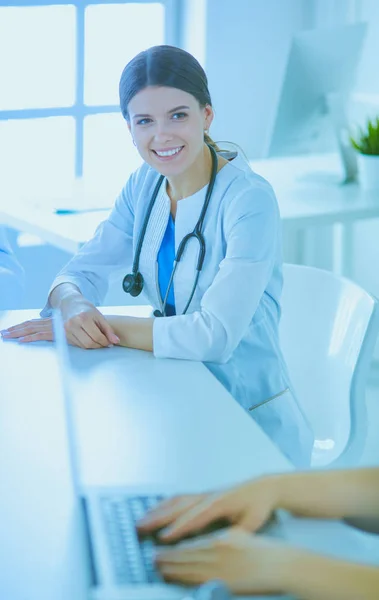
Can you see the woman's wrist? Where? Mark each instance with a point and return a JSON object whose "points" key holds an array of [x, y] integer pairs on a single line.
{"points": [[63, 293], [291, 570], [312, 576], [279, 568], [293, 492], [133, 332], [276, 490]]}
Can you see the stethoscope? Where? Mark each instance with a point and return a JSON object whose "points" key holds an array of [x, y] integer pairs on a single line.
{"points": [[133, 282]]}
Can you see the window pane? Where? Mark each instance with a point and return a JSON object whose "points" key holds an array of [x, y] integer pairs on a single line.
{"points": [[37, 154], [37, 50], [109, 155], [113, 35]]}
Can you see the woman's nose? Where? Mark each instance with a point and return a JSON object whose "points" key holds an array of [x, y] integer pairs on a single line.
{"points": [[162, 133]]}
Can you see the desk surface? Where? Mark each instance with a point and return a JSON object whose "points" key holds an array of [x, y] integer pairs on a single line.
{"points": [[308, 190], [139, 420]]}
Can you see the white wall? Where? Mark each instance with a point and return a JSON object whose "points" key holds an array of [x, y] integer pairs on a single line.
{"points": [[247, 42], [330, 12], [368, 80], [366, 234]]}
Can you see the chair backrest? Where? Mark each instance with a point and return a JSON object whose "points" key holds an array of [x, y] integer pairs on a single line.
{"points": [[328, 332]]}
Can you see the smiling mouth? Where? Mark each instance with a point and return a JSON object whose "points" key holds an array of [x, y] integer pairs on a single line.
{"points": [[168, 153]]}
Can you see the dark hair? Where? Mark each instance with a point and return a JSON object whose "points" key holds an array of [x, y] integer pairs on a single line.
{"points": [[164, 66]]}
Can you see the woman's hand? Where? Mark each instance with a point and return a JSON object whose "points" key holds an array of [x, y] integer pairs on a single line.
{"points": [[247, 564], [84, 325], [248, 505], [30, 331]]}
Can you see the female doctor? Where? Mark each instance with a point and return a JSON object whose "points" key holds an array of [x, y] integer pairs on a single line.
{"points": [[204, 237]]}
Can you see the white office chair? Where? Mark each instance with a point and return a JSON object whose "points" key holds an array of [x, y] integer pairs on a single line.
{"points": [[328, 333]]}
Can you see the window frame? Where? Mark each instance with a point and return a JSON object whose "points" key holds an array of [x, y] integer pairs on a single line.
{"points": [[79, 110]]}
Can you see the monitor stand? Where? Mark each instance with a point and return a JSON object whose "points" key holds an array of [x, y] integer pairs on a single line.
{"points": [[337, 114]]}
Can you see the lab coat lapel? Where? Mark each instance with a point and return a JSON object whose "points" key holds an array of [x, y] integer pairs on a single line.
{"points": [[151, 244]]}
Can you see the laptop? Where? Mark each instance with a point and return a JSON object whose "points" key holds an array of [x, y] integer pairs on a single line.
{"points": [[121, 563]]}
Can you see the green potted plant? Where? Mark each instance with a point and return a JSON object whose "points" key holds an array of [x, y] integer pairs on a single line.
{"points": [[366, 143]]}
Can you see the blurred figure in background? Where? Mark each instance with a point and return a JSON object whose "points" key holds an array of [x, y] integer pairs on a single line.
{"points": [[11, 275]]}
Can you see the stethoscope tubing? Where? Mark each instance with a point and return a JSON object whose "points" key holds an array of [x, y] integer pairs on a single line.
{"points": [[196, 233]]}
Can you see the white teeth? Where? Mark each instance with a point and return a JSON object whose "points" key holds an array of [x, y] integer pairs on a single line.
{"points": [[169, 152]]}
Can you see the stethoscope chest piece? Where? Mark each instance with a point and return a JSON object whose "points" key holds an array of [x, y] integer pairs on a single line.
{"points": [[133, 284]]}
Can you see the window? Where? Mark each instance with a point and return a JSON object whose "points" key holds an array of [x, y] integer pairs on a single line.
{"points": [[59, 72]]}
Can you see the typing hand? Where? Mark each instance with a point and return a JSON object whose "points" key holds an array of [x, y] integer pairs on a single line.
{"points": [[247, 564], [248, 505]]}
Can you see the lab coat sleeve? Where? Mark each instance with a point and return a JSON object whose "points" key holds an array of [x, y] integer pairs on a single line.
{"points": [[109, 250], [212, 333]]}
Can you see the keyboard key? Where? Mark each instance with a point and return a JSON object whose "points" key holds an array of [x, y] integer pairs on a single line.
{"points": [[131, 557]]}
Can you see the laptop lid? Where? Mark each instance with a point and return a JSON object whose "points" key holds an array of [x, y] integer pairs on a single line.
{"points": [[69, 413]]}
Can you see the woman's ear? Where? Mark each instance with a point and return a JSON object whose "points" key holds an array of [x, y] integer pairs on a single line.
{"points": [[208, 116]]}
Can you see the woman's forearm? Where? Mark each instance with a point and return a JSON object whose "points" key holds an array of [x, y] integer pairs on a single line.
{"points": [[314, 577], [330, 494], [134, 332]]}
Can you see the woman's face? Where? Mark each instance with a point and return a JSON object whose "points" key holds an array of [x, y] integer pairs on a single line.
{"points": [[168, 126]]}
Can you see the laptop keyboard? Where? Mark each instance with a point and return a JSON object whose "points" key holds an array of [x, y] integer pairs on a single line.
{"points": [[132, 558]]}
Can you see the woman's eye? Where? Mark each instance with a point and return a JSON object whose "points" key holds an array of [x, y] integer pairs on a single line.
{"points": [[179, 115], [144, 121]]}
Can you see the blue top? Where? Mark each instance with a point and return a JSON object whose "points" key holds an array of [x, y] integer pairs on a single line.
{"points": [[166, 257]]}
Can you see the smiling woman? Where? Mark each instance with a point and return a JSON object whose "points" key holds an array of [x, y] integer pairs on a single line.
{"points": [[203, 235]]}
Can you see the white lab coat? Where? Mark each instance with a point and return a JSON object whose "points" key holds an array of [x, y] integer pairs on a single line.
{"points": [[232, 322]]}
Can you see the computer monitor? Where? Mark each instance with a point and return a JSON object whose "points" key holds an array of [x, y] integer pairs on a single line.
{"points": [[311, 114]]}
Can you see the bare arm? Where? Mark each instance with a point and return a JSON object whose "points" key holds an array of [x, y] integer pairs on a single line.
{"points": [[312, 577], [330, 494], [281, 568], [349, 494], [133, 332]]}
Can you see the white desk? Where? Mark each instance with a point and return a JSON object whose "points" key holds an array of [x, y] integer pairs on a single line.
{"points": [[311, 195], [308, 191], [139, 420]]}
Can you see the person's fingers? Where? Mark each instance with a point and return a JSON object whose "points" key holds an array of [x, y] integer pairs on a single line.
{"points": [[27, 328], [25, 324], [39, 336], [254, 520], [183, 574], [106, 329], [85, 339], [96, 327], [166, 512], [189, 562], [15, 334], [195, 549], [74, 341], [202, 514], [94, 332]]}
